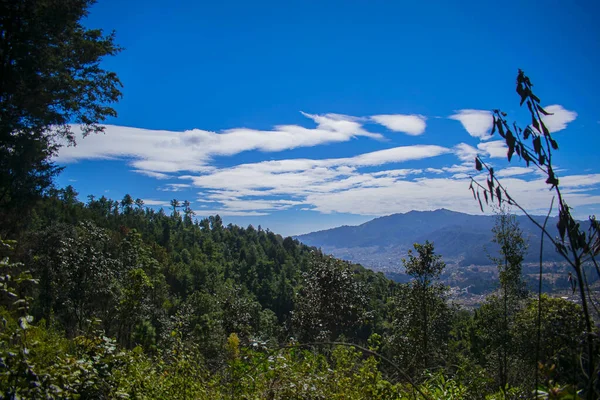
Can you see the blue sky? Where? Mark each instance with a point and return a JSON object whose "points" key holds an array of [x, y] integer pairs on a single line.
{"points": [[305, 115]]}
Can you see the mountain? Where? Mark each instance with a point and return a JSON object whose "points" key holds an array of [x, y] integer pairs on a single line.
{"points": [[461, 238]]}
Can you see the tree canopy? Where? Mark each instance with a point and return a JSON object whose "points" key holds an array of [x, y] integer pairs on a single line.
{"points": [[50, 78]]}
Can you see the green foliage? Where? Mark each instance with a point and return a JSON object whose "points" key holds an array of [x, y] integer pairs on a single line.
{"points": [[536, 146], [421, 317], [496, 319], [206, 316], [51, 77], [331, 301], [509, 236], [425, 266], [562, 337]]}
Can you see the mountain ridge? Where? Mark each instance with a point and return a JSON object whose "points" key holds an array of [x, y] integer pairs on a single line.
{"points": [[458, 237]]}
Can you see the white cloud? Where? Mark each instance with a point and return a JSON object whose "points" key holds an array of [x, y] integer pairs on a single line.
{"points": [[158, 203], [493, 149], [465, 152], [152, 174], [319, 185], [559, 119], [174, 187], [263, 205], [467, 167], [228, 213], [513, 171], [410, 124], [302, 173], [169, 151], [577, 181], [477, 122], [434, 170], [395, 154], [399, 172], [362, 184]]}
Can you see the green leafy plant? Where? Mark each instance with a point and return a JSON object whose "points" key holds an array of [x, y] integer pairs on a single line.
{"points": [[535, 146]]}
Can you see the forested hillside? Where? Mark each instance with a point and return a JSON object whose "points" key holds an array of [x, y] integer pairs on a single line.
{"points": [[110, 298], [242, 280]]}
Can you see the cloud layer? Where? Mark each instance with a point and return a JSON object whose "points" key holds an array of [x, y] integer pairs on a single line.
{"points": [[477, 122], [369, 183], [168, 151], [559, 119], [413, 125]]}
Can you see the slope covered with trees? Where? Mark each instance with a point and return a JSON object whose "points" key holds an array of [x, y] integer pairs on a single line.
{"points": [[110, 298]]}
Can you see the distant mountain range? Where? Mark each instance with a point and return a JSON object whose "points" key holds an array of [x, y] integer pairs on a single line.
{"points": [[460, 238]]}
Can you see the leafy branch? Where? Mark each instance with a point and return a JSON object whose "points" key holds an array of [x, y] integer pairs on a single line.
{"points": [[534, 145]]}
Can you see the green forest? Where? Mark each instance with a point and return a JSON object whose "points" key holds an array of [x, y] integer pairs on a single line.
{"points": [[106, 298]]}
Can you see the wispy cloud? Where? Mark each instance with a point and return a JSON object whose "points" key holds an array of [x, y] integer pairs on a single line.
{"points": [[304, 173], [559, 119], [465, 152], [330, 186], [410, 124], [174, 187], [477, 122], [169, 151], [152, 174], [513, 171], [158, 203], [380, 193], [370, 183], [228, 213], [493, 149]]}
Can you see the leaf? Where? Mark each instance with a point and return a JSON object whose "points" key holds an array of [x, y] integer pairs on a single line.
{"points": [[493, 125], [545, 129], [526, 157], [479, 199], [542, 159], [552, 180], [510, 142], [526, 133], [553, 144], [23, 323], [530, 107], [510, 200], [535, 124], [581, 240], [486, 197], [501, 128], [540, 109], [537, 145], [562, 227], [499, 195], [521, 92], [478, 165]]}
